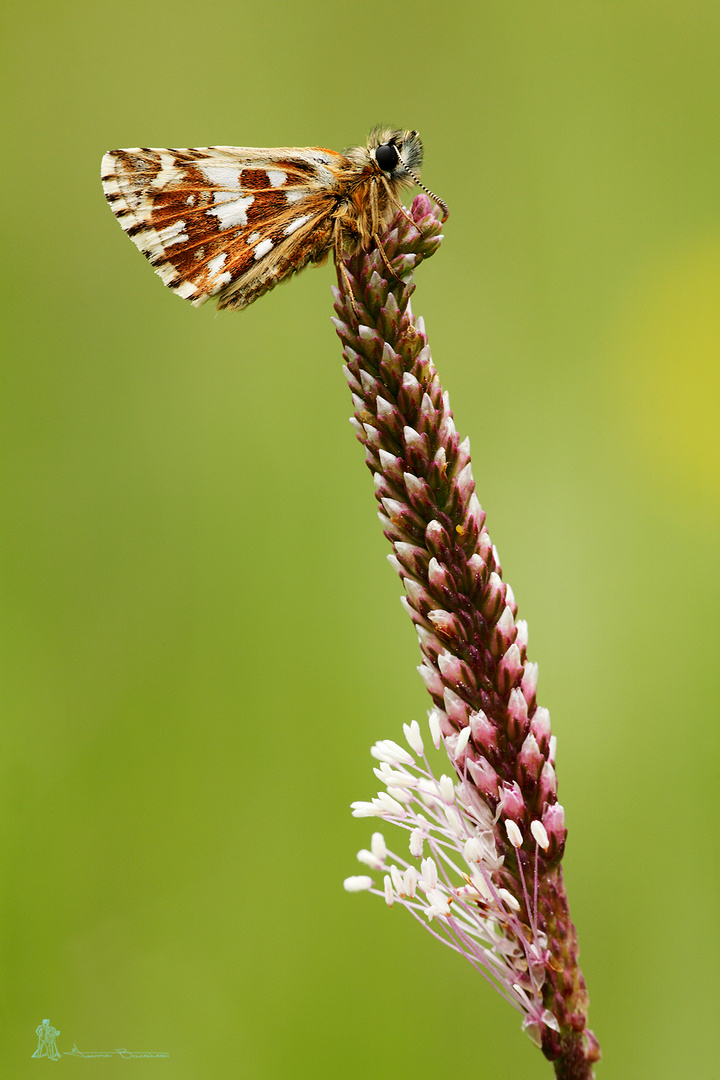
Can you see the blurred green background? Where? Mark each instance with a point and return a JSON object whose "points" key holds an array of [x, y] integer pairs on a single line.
{"points": [[201, 637]]}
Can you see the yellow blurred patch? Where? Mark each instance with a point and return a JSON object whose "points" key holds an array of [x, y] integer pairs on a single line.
{"points": [[669, 346]]}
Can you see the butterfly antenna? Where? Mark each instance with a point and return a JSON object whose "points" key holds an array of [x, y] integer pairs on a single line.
{"points": [[441, 203]]}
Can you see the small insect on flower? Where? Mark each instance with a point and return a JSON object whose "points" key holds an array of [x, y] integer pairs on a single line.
{"points": [[231, 221]]}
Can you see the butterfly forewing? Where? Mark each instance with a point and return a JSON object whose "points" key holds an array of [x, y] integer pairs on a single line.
{"points": [[231, 222], [220, 221]]}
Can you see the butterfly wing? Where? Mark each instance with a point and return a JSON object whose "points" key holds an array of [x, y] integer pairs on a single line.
{"points": [[223, 221]]}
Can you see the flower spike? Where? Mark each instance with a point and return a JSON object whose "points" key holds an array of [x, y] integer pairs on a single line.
{"points": [[481, 865]]}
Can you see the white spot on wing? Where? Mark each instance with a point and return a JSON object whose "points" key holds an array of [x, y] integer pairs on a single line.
{"points": [[263, 247], [295, 225], [215, 265], [169, 172], [325, 176], [173, 234], [276, 177], [107, 167], [221, 280], [253, 238], [232, 213], [166, 273], [186, 289], [295, 194], [226, 196], [225, 176], [110, 186]]}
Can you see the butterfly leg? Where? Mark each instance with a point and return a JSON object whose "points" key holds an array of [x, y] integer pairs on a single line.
{"points": [[386, 261], [340, 264], [375, 219], [396, 203]]}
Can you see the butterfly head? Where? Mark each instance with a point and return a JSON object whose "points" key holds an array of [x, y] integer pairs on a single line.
{"points": [[398, 156], [396, 153]]}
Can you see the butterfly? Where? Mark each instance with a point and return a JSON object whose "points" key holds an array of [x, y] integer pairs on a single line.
{"points": [[231, 222]]}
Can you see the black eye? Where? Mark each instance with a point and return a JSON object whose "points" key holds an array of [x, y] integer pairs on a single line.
{"points": [[387, 157]]}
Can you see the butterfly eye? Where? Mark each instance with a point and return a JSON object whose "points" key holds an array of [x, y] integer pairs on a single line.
{"points": [[387, 157]]}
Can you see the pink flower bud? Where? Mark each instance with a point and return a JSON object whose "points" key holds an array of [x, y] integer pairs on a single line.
{"points": [[509, 668], [432, 680], [447, 625], [463, 455], [441, 579], [438, 541], [517, 716], [530, 761], [529, 680], [485, 546], [389, 417], [553, 819], [420, 494], [443, 722], [429, 415], [484, 733], [456, 673], [513, 804], [413, 558], [464, 480], [457, 709], [418, 596], [419, 620], [403, 516], [494, 598], [484, 777], [540, 727], [504, 632], [476, 572], [410, 394], [417, 450], [547, 791], [474, 521]]}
